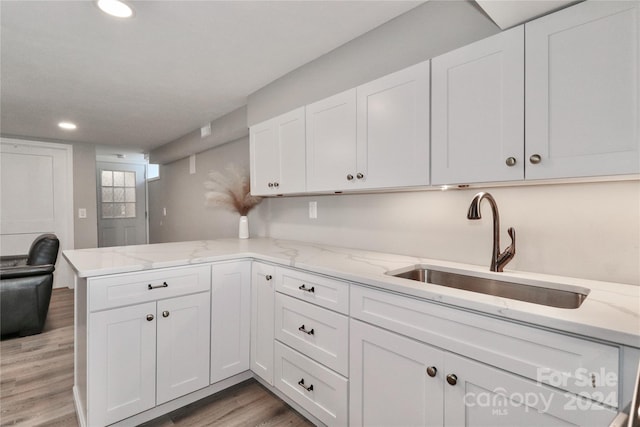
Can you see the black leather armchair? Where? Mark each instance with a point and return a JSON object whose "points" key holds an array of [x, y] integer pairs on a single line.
{"points": [[26, 282]]}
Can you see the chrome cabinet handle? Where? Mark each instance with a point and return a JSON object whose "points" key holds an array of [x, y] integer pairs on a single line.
{"points": [[304, 288], [301, 384], [452, 379], [349, 177], [432, 371], [268, 277], [164, 285], [302, 329], [149, 317], [359, 175], [535, 159], [511, 161], [165, 313], [270, 185], [276, 184]]}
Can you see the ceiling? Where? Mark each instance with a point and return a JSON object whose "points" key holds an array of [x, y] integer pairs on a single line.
{"points": [[174, 67]]}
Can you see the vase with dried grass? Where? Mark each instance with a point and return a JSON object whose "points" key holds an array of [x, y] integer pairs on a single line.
{"points": [[232, 191]]}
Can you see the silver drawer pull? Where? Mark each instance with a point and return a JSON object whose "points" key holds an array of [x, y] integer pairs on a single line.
{"points": [[164, 285], [304, 288], [302, 329], [301, 384]]}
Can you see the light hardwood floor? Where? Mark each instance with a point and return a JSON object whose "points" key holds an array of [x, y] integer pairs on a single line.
{"points": [[36, 379]]}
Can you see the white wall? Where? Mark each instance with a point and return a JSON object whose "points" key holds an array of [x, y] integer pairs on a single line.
{"points": [[589, 230]]}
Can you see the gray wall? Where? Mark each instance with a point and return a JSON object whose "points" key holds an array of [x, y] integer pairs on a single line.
{"points": [[182, 194], [84, 195]]}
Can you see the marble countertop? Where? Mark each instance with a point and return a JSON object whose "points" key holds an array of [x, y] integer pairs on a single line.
{"points": [[611, 312]]}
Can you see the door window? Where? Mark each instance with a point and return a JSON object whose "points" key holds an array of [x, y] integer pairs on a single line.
{"points": [[118, 194]]}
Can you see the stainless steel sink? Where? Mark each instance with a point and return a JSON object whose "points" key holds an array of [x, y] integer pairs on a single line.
{"points": [[565, 297]]}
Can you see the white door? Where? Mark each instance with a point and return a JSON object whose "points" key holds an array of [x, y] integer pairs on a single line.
{"points": [[583, 91], [122, 210], [36, 197], [393, 130], [331, 143], [390, 380], [230, 319], [478, 111], [122, 363], [183, 345], [262, 320]]}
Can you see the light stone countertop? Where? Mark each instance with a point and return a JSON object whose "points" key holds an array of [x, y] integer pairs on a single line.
{"points": [[611, 312]]}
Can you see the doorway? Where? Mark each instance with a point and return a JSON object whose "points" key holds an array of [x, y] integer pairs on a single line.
{"points": [[122, 204]]}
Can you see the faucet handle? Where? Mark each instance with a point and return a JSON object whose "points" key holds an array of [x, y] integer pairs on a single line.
{"points": [[512, 233], [509, 252]]}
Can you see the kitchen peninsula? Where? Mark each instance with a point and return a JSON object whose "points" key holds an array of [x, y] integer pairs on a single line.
{"points": [[317, 312]]}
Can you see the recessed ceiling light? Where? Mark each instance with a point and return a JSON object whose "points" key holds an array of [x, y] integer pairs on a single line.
{"points": [[115, 8], [67, 125]]}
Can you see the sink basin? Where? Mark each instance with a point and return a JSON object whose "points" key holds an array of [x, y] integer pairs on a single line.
{"points": [[567, 297]]}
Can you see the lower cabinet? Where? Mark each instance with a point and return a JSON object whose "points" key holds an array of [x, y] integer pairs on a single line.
{"points": [[145, 355], [262, 320], [396, 380]]}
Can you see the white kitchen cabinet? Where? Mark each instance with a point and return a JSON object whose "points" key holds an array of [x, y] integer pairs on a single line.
{"points": [[147, 354], [262, 320], [277, 155], [478, 111], [331, 142], [399, 381], [583, 91], [393, 130], [374, 136], [230, 319]]}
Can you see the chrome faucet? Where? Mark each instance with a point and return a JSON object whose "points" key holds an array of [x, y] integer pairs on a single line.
{"points": [[498, 260]]}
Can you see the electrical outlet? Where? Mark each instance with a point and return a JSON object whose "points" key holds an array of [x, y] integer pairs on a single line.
{"points": [[313, 210], [82, 213]]}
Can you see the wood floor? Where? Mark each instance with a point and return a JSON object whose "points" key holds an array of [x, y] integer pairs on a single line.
{"points": [[36, 379]]}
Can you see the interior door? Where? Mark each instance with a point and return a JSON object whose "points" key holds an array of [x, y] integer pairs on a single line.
{"points": [[36, 196], [122, 212]]}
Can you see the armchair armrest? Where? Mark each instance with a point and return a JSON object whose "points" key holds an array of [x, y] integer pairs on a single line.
{"points": [[13, 260], [26, 271]]}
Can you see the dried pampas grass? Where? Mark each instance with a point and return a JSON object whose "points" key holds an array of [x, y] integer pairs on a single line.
{"points": [[231, 191]]}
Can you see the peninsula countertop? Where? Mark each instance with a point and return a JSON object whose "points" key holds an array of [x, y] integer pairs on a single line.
{"points": [[611, 312]]}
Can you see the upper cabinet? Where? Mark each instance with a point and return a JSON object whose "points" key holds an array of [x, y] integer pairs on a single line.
{"points": [[478, 111], [374, 136], [582, 91], [277, 155]]}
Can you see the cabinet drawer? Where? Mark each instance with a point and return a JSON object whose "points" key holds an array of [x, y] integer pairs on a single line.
{"points": [[323, 291], [316, 332], [562, 361], [133, 288], [317, 389]]}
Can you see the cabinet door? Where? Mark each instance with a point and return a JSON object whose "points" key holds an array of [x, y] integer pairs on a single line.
{"points": [[482, 395], [230, 319], [389, 384], [290, 131], [478, 111], [331, 143], [183, 345], [393, 130], [582, 91], [122, 363], [264, 157], [262, 320]]}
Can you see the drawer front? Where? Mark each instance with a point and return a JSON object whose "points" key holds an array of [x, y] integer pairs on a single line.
{"points": [[316, 332], [562, 361], [133, 288], [319, 290], [317, 389]]}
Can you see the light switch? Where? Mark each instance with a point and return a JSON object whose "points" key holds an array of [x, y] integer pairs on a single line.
{"points": [[313, 210], [82, 213], [164, 211]]}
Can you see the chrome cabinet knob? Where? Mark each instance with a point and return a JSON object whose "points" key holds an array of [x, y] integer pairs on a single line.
{"points": [[432, 371], [165, 313], [149, 317], [270, 185], [452, 379], [268, 277], [535, 159], [349, 177], [359, 175], [511, 161], [276, 184]]}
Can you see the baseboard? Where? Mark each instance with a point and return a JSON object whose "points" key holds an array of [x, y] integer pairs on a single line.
{"points": [[80, 415]]}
